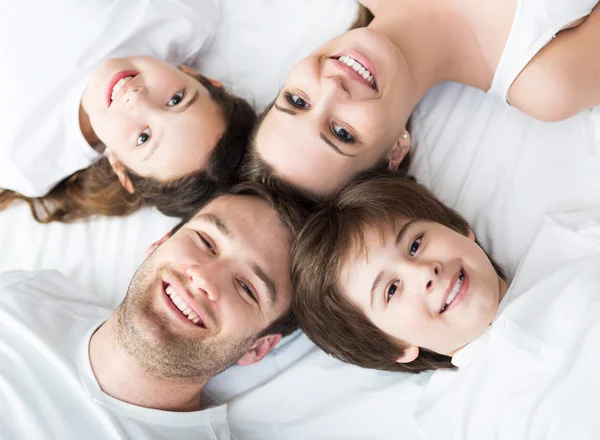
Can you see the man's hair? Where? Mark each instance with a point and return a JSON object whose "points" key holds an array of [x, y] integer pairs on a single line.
{"points": [[334, 235], [96, 190], [292, 216]]}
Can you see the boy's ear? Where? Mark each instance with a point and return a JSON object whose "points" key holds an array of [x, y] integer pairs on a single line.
{"points": [[260, 349], [410, 354], [399, 151], [193, 72], [119, 170], [156, 244], [471, 234]]}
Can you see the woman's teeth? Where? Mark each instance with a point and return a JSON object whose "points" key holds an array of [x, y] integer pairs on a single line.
{"points": [[457, 285], [118, 86], [358, 68], [182, 306]]}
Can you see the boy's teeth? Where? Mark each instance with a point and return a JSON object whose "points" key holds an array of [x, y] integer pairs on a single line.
{"points": [[181, 305], [358, 68], [455, 290], [117, 87]]}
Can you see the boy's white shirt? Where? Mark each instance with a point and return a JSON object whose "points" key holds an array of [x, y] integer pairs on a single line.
{"points": [[48, 50], [534, 372]]}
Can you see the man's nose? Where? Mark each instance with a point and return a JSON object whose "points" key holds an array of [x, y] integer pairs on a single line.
{"points": [[204, 280]]}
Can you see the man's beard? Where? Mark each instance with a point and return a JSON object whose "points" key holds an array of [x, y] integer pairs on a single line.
{"points": [[160, 351]]}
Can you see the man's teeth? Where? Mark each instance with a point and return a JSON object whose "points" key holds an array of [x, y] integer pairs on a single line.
{"points": [[359, 68], [118, 86], [182, 306], [457, 285]]}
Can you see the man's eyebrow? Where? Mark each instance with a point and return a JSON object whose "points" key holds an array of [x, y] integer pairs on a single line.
{"points": [[271, 290], [334, 147], [216, 221], [285, 110]]}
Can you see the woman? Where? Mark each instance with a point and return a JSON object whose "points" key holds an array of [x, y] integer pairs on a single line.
{"points": [[116, 119], [344, 108]]}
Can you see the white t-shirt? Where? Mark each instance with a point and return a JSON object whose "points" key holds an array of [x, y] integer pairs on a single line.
{"points": [[47, 387], [48, 50], [534, 373]]}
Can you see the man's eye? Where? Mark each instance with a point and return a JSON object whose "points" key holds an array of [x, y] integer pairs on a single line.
{"points": [[342, 134], [414, 246], [144, 137], [207, 243], [176, 99], [248, 291], [296, 100], [391, 291]]}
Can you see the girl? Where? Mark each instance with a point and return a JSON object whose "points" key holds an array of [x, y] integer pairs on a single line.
{"points": [[99, 113], [345, 107]]}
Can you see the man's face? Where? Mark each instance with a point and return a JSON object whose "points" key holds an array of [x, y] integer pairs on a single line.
{"points": [[197, 303], [329, 122], [156, 119], [424, 284]]}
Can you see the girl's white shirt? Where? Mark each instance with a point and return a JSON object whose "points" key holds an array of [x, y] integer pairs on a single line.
{"points": [[48, 51]]}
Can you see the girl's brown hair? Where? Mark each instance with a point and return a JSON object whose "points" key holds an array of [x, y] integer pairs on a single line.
{"points": [[333, 235], [96, 190]]}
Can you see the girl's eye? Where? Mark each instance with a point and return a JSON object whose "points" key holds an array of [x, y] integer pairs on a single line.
{"points": [[176, 99], [248, 291], [296, 100], [391, 291], [414, 246], [207, 244], [144, 137], [342, 134]]}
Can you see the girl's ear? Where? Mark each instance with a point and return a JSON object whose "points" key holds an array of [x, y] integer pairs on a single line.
{"points": [[410, 354], [119, 170]]}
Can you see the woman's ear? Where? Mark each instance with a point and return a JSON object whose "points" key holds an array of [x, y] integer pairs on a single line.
{"points": [[410, 354], [399, 151], [119, 170]]}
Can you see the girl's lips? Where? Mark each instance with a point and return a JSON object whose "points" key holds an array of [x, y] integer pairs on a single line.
{"points": [[114, 80]]}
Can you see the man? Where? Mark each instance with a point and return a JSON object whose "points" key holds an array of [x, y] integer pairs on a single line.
{"points": [[213, 292]]}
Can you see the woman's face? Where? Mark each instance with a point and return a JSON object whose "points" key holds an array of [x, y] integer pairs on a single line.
{"points": [[330, 122], [154, 118]]}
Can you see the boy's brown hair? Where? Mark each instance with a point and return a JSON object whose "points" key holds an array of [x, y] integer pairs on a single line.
{"points": [[333, 235]]}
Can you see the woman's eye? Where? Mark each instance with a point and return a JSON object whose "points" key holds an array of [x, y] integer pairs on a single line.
{"points": [[176, 99], [144, 137], [414, 246], [248, 290], [391, 291], [342, 134], [296, 100], [207, 244]]}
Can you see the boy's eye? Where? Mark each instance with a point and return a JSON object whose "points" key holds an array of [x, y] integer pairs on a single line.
{"points": [[296, 100], [342, 134], [414, 246], [176, 99], [391, 291], [144, 137], [248, 290]]}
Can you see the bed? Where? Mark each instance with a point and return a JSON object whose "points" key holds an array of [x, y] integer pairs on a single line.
{"points": [[498, 167]]}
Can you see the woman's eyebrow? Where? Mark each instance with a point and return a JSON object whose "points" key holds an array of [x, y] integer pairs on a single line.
{"points": [[285, 110]]}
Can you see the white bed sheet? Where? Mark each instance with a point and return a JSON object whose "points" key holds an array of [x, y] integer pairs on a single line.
{"points": [[500, 168]]}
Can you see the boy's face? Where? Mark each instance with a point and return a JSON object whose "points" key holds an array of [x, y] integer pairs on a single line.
{"points": [[154, 118], [424, 284]]}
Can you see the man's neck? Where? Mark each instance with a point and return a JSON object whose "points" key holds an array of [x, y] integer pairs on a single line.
{"points": [[121, 377]]}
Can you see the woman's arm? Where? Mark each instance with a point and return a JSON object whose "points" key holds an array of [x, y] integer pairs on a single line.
{"points": [[564, 77]]}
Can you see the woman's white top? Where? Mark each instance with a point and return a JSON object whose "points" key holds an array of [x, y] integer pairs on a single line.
{"points": [[534, 374], [535, 23], [48, 49]]}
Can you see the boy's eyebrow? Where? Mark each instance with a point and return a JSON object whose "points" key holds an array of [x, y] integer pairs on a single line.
{"points": [[403, 230]]}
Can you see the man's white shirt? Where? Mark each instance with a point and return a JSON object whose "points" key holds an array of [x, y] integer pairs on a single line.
{"points": [[48, 50], [47, 386], [534, 374]]}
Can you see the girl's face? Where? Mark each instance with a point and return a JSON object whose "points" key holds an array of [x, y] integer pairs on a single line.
{"points": [[154, 118], [426, 285], [330, 122]]}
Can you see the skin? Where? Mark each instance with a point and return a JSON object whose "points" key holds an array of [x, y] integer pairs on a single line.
{"points": [[414, 277], [412, 45], [148, 354], [149, 126]]}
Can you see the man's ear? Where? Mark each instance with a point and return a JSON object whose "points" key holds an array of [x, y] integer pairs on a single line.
{"points": [[119, 170], [193, 72], [410, 354], [399, 151], [260, 349], [156, 244]]}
